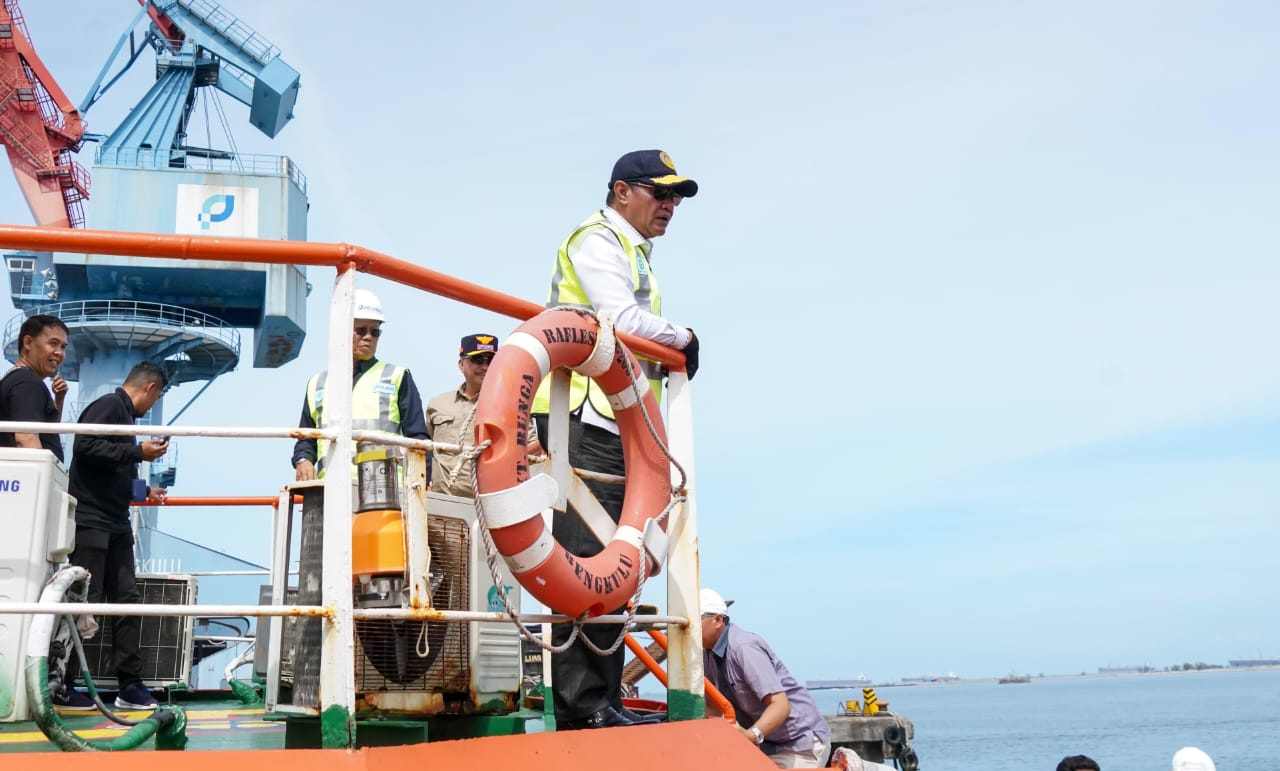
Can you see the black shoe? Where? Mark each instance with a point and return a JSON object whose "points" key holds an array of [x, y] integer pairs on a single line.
{"points": [[608, 717], [639, 719], [135, 696], [71, 700]]}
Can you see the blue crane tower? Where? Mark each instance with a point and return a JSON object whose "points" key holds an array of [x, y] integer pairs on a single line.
{"points": [[148, 177]]}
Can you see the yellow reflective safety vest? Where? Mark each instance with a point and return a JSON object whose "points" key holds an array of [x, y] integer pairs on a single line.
{"points": [[375, 406], [566, 289]]}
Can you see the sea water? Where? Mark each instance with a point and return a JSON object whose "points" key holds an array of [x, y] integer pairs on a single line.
{"points": [[1126, 723]]}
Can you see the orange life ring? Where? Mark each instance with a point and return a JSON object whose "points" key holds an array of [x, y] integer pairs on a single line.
{"points": [[514, 502]]}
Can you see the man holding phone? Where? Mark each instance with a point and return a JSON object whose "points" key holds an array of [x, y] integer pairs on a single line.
{"points": [[104, 480]]}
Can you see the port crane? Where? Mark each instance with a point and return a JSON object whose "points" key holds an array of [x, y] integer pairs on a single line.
{"points": [[40, 128], [148, 177]]}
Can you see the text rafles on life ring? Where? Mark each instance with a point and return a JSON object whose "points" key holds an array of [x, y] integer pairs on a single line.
{"points": [[513, 502]]}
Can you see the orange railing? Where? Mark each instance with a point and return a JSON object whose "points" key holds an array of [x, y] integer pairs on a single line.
{"points": [[713, 693], [222, 500], [342, 257]]}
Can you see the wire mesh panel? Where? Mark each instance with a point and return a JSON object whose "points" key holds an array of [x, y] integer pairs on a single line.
{"points": [[414, 656], [166, 641], [288, 639], [310, 630]]}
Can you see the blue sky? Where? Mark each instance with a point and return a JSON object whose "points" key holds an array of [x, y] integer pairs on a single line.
{"points": [[986, 291]]}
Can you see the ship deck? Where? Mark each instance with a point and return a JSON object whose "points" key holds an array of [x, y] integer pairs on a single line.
{"points": [[226, 732], [211, 725]]}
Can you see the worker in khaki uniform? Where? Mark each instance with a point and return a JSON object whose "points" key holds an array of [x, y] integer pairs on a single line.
{"points": [[449, 417], [383, 395], [606, 265]]}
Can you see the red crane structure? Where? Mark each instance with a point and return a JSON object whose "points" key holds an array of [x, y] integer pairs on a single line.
{"points": [[40, 128]]}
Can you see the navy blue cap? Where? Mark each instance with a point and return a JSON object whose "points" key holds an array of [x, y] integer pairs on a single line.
{"points": [[476, 345], [653, 167]]}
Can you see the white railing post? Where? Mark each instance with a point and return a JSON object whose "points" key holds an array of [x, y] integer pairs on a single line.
{"points": [[558, 427], [337, 661], [557, 446], [685, 699], [413, 507]]}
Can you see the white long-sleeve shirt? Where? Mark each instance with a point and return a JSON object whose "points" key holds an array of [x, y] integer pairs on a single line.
{"points": [[605, 276]]}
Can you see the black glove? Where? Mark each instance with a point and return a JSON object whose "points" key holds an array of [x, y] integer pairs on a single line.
{"points": [[691, 355]]}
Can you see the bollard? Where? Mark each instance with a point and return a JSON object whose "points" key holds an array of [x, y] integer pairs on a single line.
{"points": [[870, 704]]}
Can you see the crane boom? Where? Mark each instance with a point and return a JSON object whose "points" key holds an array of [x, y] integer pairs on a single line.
{"points": [[40, 128]]}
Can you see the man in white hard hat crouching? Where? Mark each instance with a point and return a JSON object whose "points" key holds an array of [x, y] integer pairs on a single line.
{"points": [[383, 395]]}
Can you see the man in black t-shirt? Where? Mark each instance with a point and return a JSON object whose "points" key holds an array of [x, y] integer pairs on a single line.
{"points": [[42, 345], [103, 477]]}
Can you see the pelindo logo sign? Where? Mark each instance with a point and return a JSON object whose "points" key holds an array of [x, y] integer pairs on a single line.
{"points": [[217, 208], [207, 210]]}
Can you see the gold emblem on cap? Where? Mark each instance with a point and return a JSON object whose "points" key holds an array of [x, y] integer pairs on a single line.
{"points": [[666, 160], [484, 339]]}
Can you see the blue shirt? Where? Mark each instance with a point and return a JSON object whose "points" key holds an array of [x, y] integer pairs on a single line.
{"points": [[745, 669]]}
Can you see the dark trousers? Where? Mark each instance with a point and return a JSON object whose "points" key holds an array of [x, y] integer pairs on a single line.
{"points": [[583, 682], [109, 559]]}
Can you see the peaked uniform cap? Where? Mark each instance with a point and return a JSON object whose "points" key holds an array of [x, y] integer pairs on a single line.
{"points": [[477, 345], [652, 167]]}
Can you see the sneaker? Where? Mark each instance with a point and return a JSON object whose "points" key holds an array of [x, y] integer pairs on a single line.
{"points": [[135, 696], [71, 700]]}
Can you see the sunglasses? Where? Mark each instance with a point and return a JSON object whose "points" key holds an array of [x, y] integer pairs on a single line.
{"points": [[374, 332], [659, 193], [484, 358]]}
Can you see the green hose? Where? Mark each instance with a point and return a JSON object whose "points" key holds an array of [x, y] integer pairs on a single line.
{"points": [[168, 723], [245, 692]]}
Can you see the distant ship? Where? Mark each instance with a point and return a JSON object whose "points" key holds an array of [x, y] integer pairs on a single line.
{"points": [[856, 682], [1012, 678]]}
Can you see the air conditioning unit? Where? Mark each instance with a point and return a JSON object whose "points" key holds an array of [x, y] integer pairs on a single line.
{"points": [[167, 642], [39, 532], [469, 667]]}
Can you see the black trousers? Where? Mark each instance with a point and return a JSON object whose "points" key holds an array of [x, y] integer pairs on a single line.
{"points": [[109, 559], [583, 682]]}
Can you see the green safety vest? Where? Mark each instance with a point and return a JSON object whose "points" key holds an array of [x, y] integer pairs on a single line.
{"points": [[374, 406], [566, 289]]}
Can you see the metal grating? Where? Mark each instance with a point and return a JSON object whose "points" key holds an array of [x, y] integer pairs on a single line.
{"points": [[289, 636], [386, 655], [166, 641]]}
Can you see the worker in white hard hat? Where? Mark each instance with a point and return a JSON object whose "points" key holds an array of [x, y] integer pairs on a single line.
{"points": [[383, 395], [1192, 759]]}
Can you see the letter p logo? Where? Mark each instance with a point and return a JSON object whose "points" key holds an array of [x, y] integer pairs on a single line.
{"points": [[217, 208]]}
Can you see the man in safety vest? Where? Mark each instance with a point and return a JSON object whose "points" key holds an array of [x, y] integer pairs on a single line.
{"points": [[605, 265], [383, 395]]}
